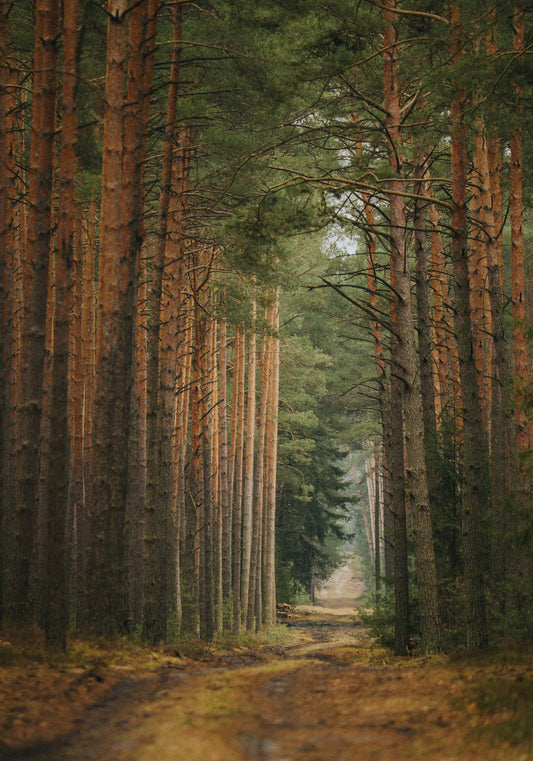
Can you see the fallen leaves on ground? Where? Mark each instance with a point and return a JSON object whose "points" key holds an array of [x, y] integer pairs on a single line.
{"points": [[326, 692]]}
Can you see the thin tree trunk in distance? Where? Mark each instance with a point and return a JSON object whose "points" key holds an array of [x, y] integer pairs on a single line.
{"points": [[225, 502], [256, 563], [237, 447], [247, 511], [269, 605]]}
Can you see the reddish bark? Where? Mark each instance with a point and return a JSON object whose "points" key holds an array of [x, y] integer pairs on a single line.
{"points": [[522, 360], [417, 490], [107, 556], [59, 463], [271, 444], [249, 457], [35, 284]]}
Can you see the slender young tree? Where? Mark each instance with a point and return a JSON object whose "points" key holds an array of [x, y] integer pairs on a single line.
{"points": [[255, 594], [271, 463], [225, 502], [237, 460], [247, 509]]}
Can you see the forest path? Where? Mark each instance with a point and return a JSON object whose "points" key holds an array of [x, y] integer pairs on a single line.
{"points": [[330, 695]]}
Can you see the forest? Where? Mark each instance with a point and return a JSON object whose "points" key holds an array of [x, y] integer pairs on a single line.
{"points": [[266, 287]]}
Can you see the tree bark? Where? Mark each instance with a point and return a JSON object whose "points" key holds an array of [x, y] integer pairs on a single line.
{"points": [[269, 582], [249, 467], [522, 360], [107, 547], [475, 497], [416, 477], [59, 464], [6, 264], [35, 285], [237, 450], [256, 576], [225, 503]]}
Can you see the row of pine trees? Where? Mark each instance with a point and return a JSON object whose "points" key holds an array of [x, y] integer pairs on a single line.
{"points": [[444, 347], [139, 424]]}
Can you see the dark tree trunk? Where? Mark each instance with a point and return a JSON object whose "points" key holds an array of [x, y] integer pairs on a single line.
{"points": [[30, 401], [475, 497], [59, 465]]}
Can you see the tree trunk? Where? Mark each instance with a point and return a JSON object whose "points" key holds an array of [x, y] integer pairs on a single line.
{"points": [[193, 497], [107, 548], [237, 449], [249, 469], [417, 491], [256, 565], [225, 503], [59, 464], [422, 279], [136, 113], [6, 265], [161, 357], [269, 581], [475, 495], [522, 361], [35, 279]]}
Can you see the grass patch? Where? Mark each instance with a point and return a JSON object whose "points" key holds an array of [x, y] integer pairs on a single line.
{"points": [[499, 692], [504, 705], [274, 636]]}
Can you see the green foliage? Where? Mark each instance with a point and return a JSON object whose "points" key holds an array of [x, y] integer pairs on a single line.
{"points": [[316, 501]]}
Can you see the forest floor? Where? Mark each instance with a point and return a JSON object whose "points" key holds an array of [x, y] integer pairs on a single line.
{"points": [[318, 690]]}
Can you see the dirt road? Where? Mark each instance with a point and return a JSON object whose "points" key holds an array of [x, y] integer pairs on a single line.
{"points": [[330, 695]]}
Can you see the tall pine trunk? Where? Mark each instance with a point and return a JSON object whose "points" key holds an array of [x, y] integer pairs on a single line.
{"points": [[107, 586], [35, 284], [157, 514], [59, 465], [416, 477], [522, 361], [475, 497]]}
